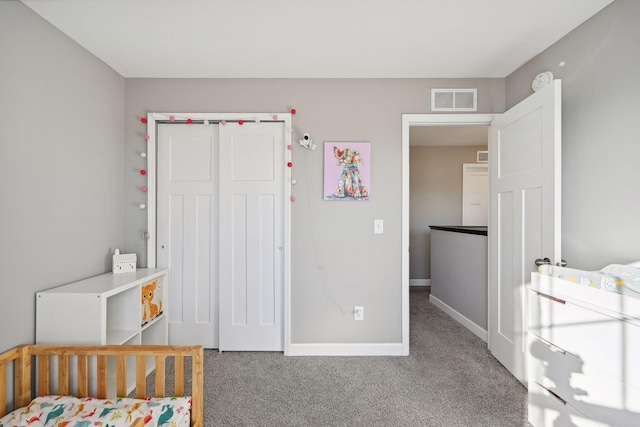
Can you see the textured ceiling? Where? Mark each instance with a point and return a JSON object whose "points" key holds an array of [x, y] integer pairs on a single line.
{"points": [[313, 38]]}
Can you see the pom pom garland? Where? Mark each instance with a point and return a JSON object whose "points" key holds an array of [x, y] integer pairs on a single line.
{"points": [[143, 120]]}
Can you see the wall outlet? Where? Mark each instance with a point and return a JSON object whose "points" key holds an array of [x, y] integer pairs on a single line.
{"points": [[358, 312]]}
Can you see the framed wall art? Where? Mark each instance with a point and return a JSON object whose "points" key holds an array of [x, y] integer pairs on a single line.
{"points": [[347, 171]]}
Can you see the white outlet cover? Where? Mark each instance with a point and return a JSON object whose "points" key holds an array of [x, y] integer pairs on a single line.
{"points": [[358, 312]]}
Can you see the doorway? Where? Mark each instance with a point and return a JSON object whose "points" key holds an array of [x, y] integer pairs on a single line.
{"points": [[441, 158], [222, 293], [408, 121]]}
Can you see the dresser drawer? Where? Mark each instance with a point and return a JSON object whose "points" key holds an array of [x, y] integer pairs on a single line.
{"points": [[592, 392], [607, 343], [546, 410]]}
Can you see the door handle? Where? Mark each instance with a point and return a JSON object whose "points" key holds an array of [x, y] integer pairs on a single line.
{"points": [[544, 261]]}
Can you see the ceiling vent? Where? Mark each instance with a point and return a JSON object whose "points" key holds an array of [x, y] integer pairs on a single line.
{"points": [[454, 100]]}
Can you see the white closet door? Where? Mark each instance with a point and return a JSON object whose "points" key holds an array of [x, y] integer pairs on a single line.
{"points": [[251, 236], [187, 229], [475, 194]]}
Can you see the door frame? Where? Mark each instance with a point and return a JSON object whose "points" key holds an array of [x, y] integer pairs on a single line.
{"points": [[426, 119], [250, 119]]}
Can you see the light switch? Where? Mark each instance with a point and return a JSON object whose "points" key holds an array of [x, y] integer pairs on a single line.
{"points": [[378, 226]]}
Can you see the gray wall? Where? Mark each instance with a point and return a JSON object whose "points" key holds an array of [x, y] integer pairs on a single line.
{"points": [[330, 240], [459, 276], [600, 134], [436, 198], [61, 166]]}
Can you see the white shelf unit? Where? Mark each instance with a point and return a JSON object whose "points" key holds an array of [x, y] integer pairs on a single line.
{"points": [[583, 355], [105, 309]]}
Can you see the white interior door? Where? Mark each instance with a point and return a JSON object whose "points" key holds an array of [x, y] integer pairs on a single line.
{"points": [[475, 194], [252, 235], [187, 229], [525, 159]]}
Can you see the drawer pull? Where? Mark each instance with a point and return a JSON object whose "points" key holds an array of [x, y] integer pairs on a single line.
{"points": [[554, 299], [556, 349], [564, 402]]}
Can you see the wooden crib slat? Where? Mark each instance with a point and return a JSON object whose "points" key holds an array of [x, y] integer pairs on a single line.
{"points": [[121, 376], [43, 376], [63, 375], [3, 390], [197, 387], [102, 379], [83, 376], [141, 377], [23, 379], [160, 376], [179, 391]]}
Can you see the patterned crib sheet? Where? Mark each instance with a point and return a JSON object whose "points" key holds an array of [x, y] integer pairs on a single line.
{"points": [[68, 411]]}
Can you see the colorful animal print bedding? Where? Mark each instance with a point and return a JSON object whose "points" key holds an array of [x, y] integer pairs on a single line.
{"points": [[68, 411]]}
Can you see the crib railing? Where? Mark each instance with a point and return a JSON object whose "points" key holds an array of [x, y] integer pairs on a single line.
{"points": [[54, 361]]}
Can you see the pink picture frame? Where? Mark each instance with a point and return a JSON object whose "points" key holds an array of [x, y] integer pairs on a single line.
{"points": [[347, 171]]}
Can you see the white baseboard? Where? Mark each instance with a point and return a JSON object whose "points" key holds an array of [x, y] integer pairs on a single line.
{"points": [[346, 349], [419, 282], [465, 321]]}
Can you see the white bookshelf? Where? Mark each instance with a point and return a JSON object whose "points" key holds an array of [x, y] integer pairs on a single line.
{"points": [[105, 309]]}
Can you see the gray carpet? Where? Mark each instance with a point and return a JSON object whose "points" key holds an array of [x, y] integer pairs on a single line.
{"points": [[449, 379]]}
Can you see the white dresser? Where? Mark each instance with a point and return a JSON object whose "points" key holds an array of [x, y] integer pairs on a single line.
{"points": [[584, 364]]}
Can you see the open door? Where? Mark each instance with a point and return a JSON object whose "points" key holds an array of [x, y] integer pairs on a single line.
{"points": [[525, 159]]}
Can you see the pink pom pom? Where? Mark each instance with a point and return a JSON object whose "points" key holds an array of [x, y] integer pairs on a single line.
{"points": [[172, 118], [189, 121], [293, 111], [240, 122], [293, 198], [290, 164], [289, 147], [143, 172], [223, 122], [275, 117], [143, 120], [146, 136], [144, 189]]}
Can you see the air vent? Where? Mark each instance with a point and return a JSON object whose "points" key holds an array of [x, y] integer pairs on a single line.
{"points": [[454, 100], [482, 156]]}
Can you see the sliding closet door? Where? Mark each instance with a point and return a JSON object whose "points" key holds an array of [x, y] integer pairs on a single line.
{"points": [[251, 236], [187, 243]]}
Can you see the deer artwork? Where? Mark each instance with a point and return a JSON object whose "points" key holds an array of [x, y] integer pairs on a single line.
{"points": [[150, 310], [350, 183]]}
